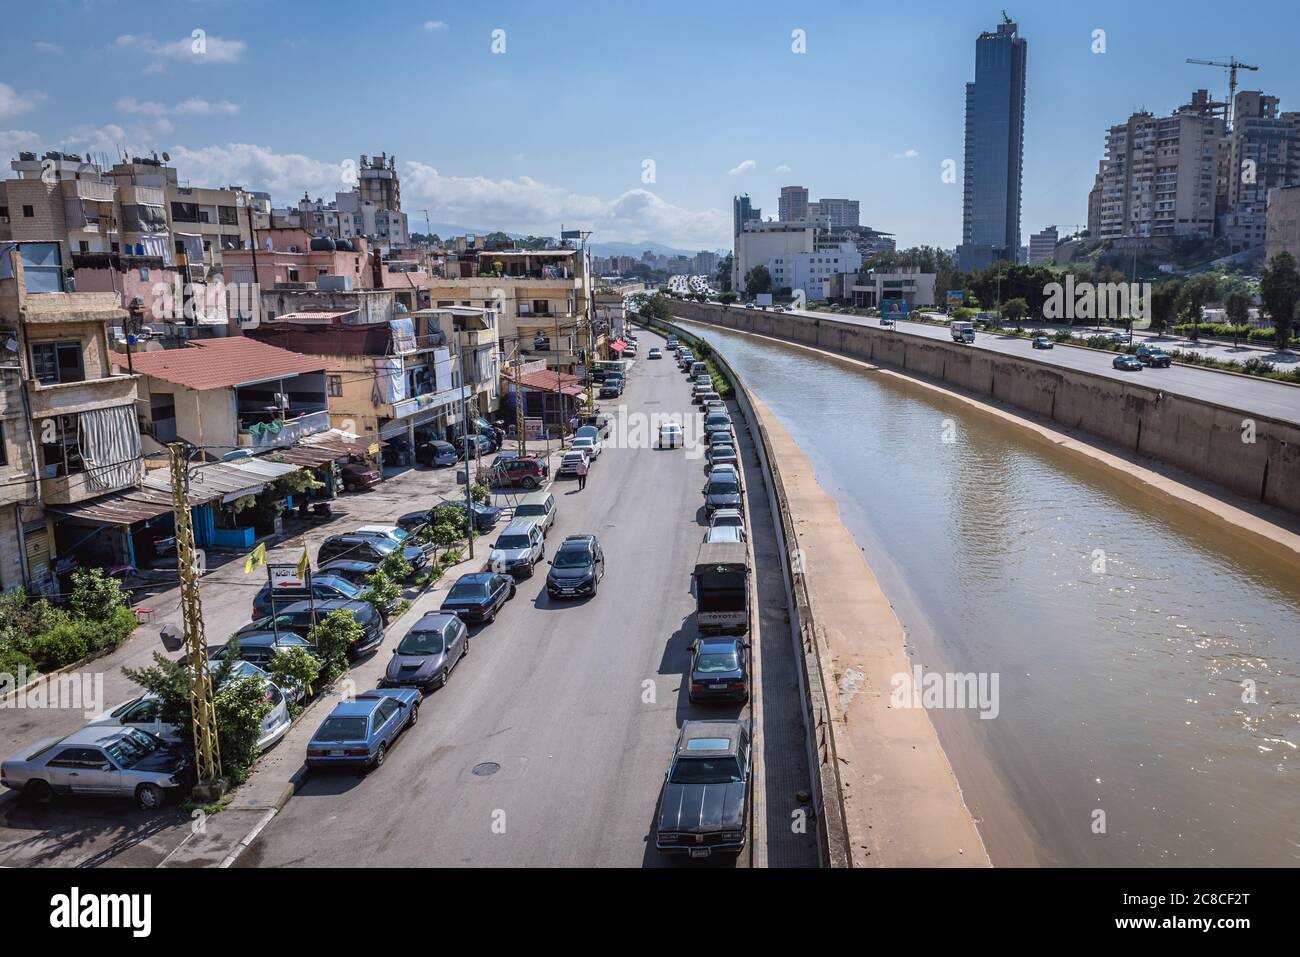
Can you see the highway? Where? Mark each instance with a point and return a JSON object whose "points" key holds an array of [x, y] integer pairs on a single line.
{"points": [[1261, 397], [549, 743]]}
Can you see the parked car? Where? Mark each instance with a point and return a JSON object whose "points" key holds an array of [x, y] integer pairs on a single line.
{"points": [[436, 453], [577, 568], [1116, 337], [478, 596], [717, 422], [722, 455], [1154, 356], [569, 462], [300, 617], [722, 491], [585, 443], [145, 712], [528, 472], [719, 669], [704, 802], [477, 445], [1127, 364], [518, 548], [725, 517], [654, 353], [705, 397], [359, 476], [724, 533], [612, 387], [427, 653], [1042, 342], [355, 570], [720, 438], [100, 762], [538, 507], [369, 548], [360, 732], [670, 436], [323, 587], [258, 644], [485, 516]]}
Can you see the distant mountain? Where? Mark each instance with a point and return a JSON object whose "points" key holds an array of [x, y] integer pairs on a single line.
{"points": [[446, 230]]}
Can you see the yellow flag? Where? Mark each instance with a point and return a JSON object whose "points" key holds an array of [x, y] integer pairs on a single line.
{"points": [[303, 564], [256, 557]]}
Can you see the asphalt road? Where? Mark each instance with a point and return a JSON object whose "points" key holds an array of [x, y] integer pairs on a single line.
{"points": [[1252, 395], [577, 704]]}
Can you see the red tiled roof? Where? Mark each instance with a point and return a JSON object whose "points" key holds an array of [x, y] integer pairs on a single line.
{"points": [[219, 363], [546, 381]]}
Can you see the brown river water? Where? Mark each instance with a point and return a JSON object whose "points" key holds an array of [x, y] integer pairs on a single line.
{"points": [[1126, 634]]}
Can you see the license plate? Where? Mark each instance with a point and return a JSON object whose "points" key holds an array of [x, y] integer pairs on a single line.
{"points": [[336, 754], [699, 852], [719, 686], [566, 591]]}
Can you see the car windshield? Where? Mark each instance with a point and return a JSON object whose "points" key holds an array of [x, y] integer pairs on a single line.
{"points": [[132, 748], [509, 542], [717, 661], [706, 771], [384, 545], [342, 729], [723, 487], [421, 643], [341, 585], [468, 590], [572, 558]]}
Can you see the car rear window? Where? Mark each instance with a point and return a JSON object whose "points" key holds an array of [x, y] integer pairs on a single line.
{"points": [[472, 590], [512, 541], [707, 770], [342, 729], [717, 661]]}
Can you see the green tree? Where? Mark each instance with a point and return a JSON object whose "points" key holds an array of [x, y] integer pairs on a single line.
{"points": [[758, 280], [1164, 303], [294, 668], [1016, 310], [333, 635], [1197, 292], [1236, 305], [1279, 292], [95, 595]]}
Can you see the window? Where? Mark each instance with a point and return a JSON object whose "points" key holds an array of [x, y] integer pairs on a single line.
{"points": [[4, 212], [83, 246], [335, 384], [54, 362], [4, 445], [185, 212], [29, 212]]}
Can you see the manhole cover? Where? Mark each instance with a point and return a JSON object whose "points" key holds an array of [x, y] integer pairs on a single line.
{"points": [[486, 769]]}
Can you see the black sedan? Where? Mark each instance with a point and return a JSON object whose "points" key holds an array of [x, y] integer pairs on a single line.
{"points": [[719, 670], [704, 803], [478, 596], [1127, 364], [1042, 342]]}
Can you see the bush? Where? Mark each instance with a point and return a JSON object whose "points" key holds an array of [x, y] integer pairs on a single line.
{"points": [[95, 595], [294, 668], [481, 493], [395, 566], [12, 661], [333, 636], [242, 704], [382, 592]]}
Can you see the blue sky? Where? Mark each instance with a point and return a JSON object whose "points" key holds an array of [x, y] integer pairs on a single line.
{"points": [[557, 128]]}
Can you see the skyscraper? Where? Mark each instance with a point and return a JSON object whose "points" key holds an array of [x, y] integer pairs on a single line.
{"points": [[793, 205], [995, 146], [742, 212]]}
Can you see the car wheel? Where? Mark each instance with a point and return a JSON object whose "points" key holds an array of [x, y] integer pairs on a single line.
{"points": [[415, 714], [380, 757], [149, 797], [529, 482], [491, 618], [39, 791], [513, 589]]}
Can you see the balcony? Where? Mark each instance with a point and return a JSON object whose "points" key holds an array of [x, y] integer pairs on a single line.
{"points": [[59, 307], [264, 431], [69, 398]]}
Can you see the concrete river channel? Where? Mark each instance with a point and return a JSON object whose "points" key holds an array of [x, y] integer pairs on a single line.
{"points": [[1147, 659]]}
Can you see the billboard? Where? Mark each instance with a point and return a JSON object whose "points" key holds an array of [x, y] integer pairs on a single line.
{"points": [[956, 298], [764, 299], [894, 309]]}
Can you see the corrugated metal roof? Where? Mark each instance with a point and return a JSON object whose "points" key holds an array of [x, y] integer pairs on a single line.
{"points": [[120, 508], [223, 480]]}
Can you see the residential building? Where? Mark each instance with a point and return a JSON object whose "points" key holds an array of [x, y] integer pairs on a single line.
{"points": [[994, 151], [1161, 176], [793, 204], [837, 212], [1283, 222], [1042, 246], [763, 243], [1264, 155]]}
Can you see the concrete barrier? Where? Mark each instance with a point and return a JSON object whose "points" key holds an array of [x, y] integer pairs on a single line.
{"points": [[1200, 437]]}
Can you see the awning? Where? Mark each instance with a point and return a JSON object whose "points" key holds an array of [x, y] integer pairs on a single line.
{"points": [[618, 345], [327, 314], [341, 443], [305, 456], [223, 481], [119, 508]]}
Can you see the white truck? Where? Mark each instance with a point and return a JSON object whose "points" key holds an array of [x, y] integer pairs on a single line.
{"points": [[962, 332]]}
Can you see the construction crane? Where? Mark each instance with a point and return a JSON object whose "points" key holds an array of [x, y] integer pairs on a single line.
{"points": [[1232, 65]]}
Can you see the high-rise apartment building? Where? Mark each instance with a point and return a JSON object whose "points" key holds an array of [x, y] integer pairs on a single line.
{"points": [[1264, 154], [994, 154], [1042, 246], [793, 204], [838, 213]]}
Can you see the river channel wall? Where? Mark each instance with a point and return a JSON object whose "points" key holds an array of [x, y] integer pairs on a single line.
{"points": [[1202, 438]]}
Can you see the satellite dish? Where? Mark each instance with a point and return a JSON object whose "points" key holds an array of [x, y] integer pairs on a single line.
{"points": [[167, 157]]}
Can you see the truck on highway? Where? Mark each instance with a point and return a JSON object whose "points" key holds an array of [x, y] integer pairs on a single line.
{"points": [[962, 332]]}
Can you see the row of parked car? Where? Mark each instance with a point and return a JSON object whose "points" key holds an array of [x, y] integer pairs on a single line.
{"points": [[705, 798]]}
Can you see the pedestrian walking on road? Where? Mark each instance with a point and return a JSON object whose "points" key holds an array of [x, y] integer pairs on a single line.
{"points": [[582, 474]]}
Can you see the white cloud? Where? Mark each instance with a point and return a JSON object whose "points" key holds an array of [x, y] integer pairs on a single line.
{"points": [[205, 49], [53, 49], [744, 167], [12, 102], [906, 155], [107, 139], [11, 141], [191, 107], [285, 175], [434, 25], [524, 204], [781, 169]]}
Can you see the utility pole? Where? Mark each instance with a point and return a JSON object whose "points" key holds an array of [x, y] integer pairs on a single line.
{"points": [[207, 748], [464, 425]]}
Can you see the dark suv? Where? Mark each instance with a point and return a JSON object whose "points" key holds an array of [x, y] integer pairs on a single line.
{"points": [[323, 588], [365, 548], [577, 568], [1154, 356], [298, 618]]}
